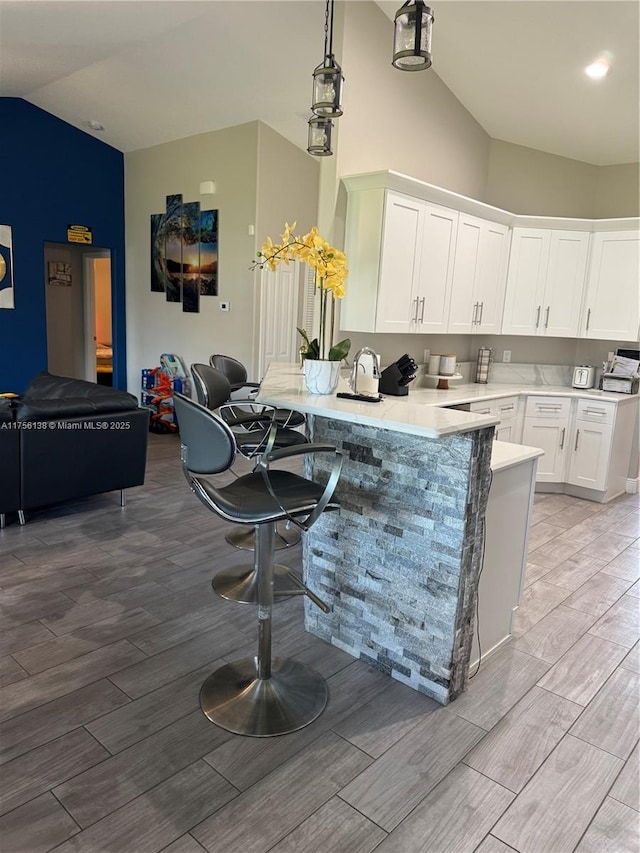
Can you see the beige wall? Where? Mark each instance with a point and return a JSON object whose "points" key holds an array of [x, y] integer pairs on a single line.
{"points": [[154, 326], [523, 180], [409, 123]]}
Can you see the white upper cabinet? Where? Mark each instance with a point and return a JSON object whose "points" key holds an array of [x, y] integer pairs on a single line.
{"points": [[401, 253], [545, 282], [479, 276], [612, 300]]}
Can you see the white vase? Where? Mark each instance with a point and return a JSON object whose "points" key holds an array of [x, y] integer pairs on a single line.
{"points": [[320, 376]]}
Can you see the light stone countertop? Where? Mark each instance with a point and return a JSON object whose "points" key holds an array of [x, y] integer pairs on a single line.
{"points": [[283, 386]]}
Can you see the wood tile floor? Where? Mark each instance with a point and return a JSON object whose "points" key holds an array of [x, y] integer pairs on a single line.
{"points": [[109, 627]]}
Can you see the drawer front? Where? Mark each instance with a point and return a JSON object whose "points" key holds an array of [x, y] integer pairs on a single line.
{"points": [[548, 407], [506, 408], [482, 408], [596, 412]]}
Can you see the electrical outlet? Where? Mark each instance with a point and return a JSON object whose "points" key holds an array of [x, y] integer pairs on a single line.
{"points": [[506, 356], [225, 306]]}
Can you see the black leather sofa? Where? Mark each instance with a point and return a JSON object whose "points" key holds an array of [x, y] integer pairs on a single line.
{"points": [[9, 461], [74, 438]]}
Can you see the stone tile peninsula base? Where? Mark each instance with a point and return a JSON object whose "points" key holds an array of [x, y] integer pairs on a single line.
{"points": [[399, 564]]}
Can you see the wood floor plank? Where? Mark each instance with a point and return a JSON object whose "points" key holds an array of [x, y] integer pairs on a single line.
{"points": [[57, 581], [175, 631], [553, 553], [335, 827], [516, 747], [185, 844], [491, 844], [542, 532], [11, 671], [81, 615], [612, 719], [245, 761], [625, 566], [23, 636], [501, 682], [140, 718], [456, 815], [396, 782], [157, 818], [56, 718], [377, 725], [574, 571], [37, 771], [582, 671], [555, 633], [608, 546], [150, 673], [262, 816], [615, 829], [66, 677], [92, 795], [626, 788], [537, 600], [632, 659], [36, 827], [597, 594], [81, 641], [557, 805], [621, 623]]}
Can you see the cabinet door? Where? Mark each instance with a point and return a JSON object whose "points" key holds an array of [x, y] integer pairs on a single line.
{"points": [[437, 252], [491, 277], [528, 261], [463, 313], [565, 283], [551, 436], [505, 431], [589, 461], [612, 304], [397, 302]]}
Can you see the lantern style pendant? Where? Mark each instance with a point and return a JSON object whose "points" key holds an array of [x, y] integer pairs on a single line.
{"points": [[319, 143], [327, 88], [412, 37]]}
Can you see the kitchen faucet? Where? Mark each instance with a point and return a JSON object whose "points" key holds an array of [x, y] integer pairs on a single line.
{"points": [[356, 364]]}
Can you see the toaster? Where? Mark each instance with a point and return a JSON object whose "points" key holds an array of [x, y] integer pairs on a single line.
{"points": [[584, 376]]}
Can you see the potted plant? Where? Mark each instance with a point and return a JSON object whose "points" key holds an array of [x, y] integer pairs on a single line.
{"points": [[321, 357]]}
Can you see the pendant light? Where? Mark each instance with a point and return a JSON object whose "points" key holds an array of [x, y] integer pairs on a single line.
{"points": [[412, 36], [327, 77], [319, 142]]}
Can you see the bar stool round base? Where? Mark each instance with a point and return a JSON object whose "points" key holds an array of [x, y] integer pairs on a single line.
{"points": [[240, 583], [234, 698], [243, 537]]}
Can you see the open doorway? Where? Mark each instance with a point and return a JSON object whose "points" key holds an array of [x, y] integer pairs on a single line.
{"points": [[78, 305]]}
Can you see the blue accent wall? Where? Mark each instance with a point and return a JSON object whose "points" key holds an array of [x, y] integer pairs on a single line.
{"points": [[51, 176]]}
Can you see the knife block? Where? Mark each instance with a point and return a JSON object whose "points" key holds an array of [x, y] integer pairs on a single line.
{"points": [[389, 382]]}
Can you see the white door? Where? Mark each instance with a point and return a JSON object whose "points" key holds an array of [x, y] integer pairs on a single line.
{"points": [[565, 283], [612, 305], [590, 455], [279, 293], [397, 304], [528, 260], [551, 436]]}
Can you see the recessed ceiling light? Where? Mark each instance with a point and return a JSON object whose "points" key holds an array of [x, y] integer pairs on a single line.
{"points": [[598, 69], [95, 125]]}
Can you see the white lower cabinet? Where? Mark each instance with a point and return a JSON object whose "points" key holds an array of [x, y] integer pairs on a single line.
{"points": [[587, 444], [506, 409]]}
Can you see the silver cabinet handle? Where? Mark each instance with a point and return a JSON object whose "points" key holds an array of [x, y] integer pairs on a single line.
{"points": [[481, 313], [422, 301], [415, 316], [564, 429], [538, 316], [546, 317], [588, 319], [577, 437], [475, 312], [507, 408]]}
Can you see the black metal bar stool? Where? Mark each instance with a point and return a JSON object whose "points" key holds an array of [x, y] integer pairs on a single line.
{"points": [[258, 696], [251, 424]]}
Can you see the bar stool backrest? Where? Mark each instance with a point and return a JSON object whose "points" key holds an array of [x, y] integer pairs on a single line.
{"points": [[234, 370], [212, 386], [209, 446]]}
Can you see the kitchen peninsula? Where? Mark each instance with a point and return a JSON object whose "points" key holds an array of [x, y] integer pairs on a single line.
{"points": [[399, 564]]}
